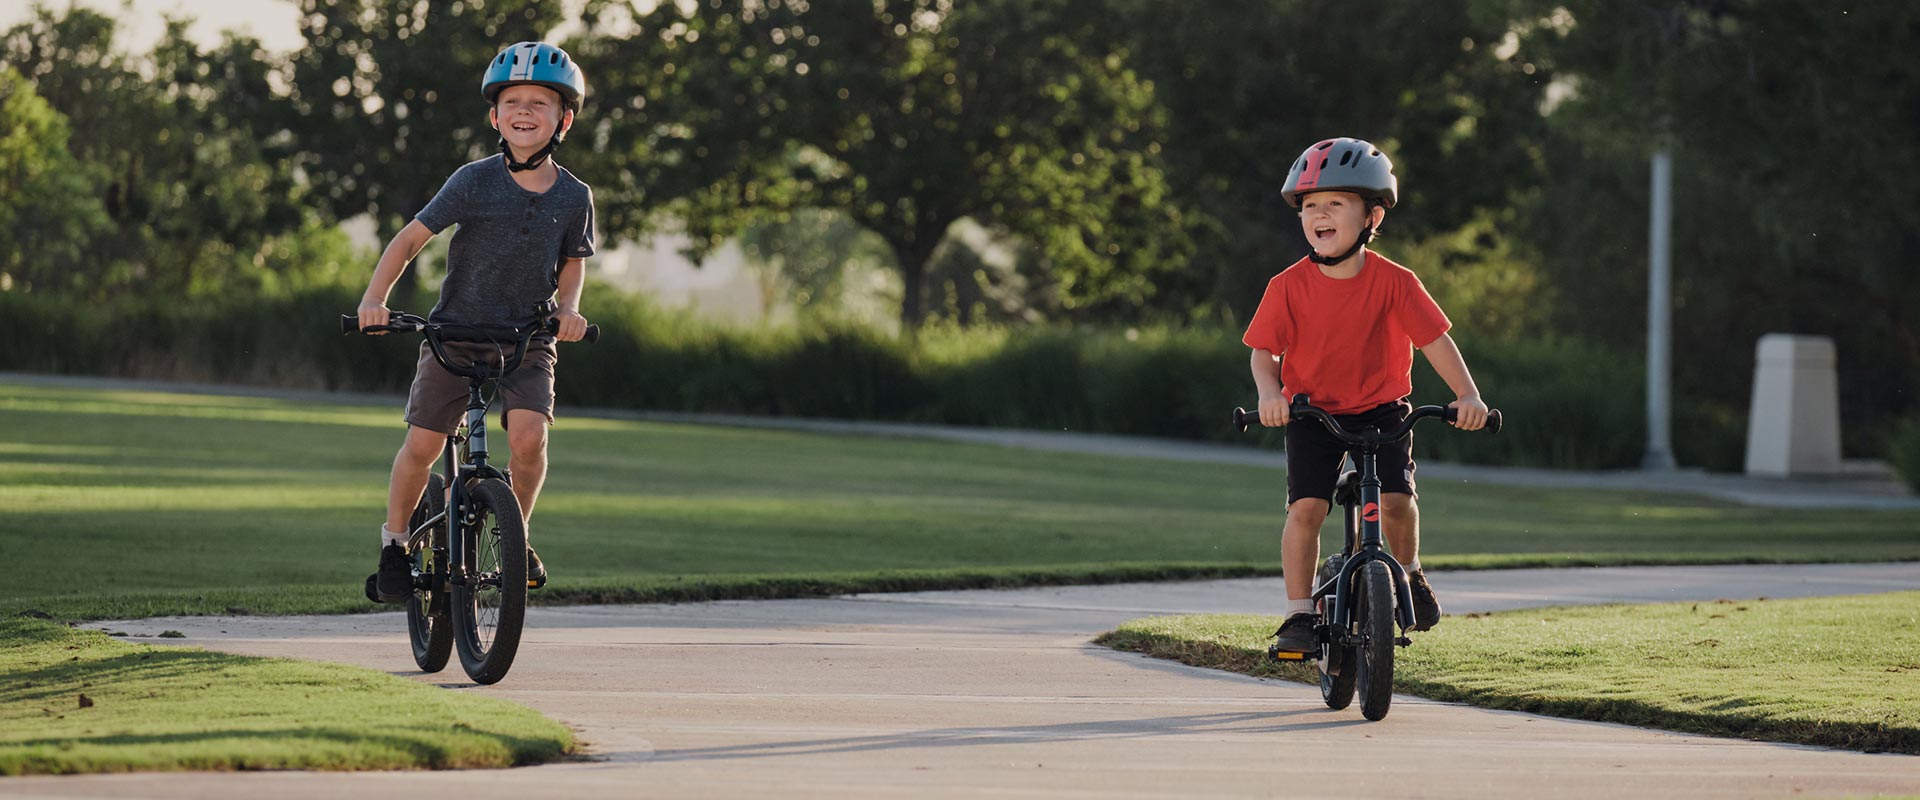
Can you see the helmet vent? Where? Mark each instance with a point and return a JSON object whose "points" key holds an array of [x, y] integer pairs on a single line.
{"points": [[1346, 157], [1323, 163], [1326, 144], [553, 58]]}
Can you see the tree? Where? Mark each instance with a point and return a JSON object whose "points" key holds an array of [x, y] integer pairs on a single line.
{"points": [[385, 97], [1249, 84], [48, 209], [906, 115], [1791, 129], [195, 198]]}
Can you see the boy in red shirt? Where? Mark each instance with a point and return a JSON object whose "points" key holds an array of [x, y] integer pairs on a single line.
{"points": [[1340, 326]]}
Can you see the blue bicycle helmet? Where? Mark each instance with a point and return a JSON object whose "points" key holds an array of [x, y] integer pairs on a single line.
{"points": [[537, 63]]}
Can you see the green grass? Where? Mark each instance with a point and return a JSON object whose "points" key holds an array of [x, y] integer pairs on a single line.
{"points": [[1838, 672], [251, 505], [76, 700]]}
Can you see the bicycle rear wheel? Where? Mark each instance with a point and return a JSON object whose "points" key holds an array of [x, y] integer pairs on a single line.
{"points": [[1374, 613], [491, 603], [428, 623]]}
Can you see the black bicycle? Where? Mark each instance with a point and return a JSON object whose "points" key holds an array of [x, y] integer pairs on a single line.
{"points": [[469, 588], [1366, 586]]}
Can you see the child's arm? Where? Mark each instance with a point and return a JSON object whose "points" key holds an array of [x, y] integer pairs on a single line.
{"points": [[405, 245], [1445, 357], [1266, 378], [573, 280]]}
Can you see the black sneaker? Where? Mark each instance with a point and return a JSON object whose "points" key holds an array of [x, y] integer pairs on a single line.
{"points": [[536, 571], [1426, 610], [394, 581], [1295, 636]]}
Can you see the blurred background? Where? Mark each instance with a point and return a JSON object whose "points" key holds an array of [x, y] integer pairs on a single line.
{"points": [[1033, 213]]}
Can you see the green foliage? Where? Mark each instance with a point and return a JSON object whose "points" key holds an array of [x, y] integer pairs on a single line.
{"points": [[1568, 404], [48, 210], [80, 701], [1249, 84], [385, 97], [1904, 452], [197, 204], [1791, 135], [907, 116]]}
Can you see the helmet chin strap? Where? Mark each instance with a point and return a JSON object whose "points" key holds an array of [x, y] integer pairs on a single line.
{"points": [[533, 161], [1366, 235]]}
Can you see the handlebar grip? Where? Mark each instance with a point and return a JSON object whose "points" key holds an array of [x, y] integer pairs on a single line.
{"points": [[1243, 420], [593, 334], [1493, 418], [349, 323]]}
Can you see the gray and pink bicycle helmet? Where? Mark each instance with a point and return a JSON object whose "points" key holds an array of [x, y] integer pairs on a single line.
{"points": [[1343, 164]]}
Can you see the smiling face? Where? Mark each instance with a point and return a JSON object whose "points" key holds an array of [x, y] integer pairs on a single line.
{"points": [[1332, 220], [528, 115]]}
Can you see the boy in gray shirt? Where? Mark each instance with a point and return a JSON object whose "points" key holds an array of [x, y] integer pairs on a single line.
{"points": [[518, 256]]}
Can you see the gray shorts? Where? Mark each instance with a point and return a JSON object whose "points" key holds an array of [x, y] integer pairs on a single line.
{"points": [[438, 398]]}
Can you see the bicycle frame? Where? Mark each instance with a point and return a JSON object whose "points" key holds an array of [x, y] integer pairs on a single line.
{"points": [[1363, 538], [1363, 545], [459, 472]]}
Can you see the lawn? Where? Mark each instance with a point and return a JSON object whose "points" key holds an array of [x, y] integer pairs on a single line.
{"points": [[1833, 671], [270, 506], [77, 700]]}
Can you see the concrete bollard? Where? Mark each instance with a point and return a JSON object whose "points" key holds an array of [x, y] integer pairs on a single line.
{"points": [[1794, 424]]}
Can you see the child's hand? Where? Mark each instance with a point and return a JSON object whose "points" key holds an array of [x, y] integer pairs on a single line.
{"points": [[573, 327], [1471, 413], [373, 312], [1273, 411]]}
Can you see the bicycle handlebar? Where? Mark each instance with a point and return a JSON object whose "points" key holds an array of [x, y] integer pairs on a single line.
{"points": [[1303, 407], [403, 322]]}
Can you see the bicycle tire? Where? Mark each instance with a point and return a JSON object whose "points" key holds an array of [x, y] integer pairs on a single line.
{"points": [[490, 605], [1336, 665], [1375, 615], [429, 625]]}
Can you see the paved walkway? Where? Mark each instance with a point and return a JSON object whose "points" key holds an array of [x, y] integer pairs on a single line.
{"points": [[999, 694]]}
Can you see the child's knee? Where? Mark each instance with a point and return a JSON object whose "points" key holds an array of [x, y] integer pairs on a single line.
{"points": [[529, 441], [1309, 511]]}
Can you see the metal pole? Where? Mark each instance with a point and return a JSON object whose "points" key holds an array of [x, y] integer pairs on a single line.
{"points": [[1659, 454]]}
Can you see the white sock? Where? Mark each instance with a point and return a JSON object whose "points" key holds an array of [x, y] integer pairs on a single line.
{"points": [[388, 537], [1414, 567], [1304, 606]]}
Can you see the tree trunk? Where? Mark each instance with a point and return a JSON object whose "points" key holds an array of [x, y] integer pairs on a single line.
{"points": [[913, 279]]}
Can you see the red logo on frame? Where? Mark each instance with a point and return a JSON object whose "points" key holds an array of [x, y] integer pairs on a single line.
{"points": [[1371, 513]]}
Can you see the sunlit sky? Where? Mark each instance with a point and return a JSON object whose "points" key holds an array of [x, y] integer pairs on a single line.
{"points": [[274, 22]]}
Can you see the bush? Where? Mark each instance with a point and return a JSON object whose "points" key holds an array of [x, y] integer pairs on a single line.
{"points": [[1903, 451], [1568, 404]]}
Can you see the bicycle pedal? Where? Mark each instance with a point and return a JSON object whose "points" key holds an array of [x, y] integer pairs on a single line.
{"points": [[1286, 655], [1403, 641]]}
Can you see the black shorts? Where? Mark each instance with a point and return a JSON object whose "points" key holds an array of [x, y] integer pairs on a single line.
{"points": [[1314, 455]]}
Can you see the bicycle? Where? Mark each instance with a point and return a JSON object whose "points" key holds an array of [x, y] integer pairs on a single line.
{"points": [[470, 590], [1367, 586]]}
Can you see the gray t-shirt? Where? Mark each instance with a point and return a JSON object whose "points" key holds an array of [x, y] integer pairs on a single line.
{"points": [[505, 259]]}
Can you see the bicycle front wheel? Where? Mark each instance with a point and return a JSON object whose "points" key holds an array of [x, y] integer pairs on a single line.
{"points": [[490, 603], [429, 624], [1375, 615]]}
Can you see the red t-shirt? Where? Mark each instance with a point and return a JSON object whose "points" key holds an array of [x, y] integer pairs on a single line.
{"points": [[1347, 343]]}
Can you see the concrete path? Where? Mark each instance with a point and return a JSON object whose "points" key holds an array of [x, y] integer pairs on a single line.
{"points": [[999, 694]]}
